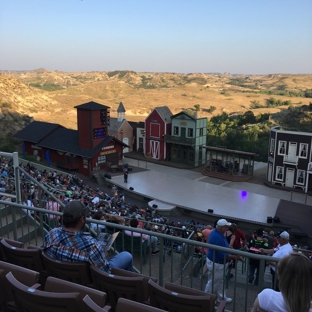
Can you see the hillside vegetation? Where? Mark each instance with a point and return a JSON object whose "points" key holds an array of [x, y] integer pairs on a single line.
{"points": [[51, 95]]}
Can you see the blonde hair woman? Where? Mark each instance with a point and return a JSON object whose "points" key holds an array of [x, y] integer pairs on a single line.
{"points": [[295, 283]]}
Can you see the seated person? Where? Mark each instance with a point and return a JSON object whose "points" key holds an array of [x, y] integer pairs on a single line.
{"points": [[151, 240], [70, 243], [295, 283], [98, 228]]}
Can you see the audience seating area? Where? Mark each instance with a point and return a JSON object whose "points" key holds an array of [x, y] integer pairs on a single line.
{"points": [[62, 290], [76, 272], [30, 258], [178, 298]]}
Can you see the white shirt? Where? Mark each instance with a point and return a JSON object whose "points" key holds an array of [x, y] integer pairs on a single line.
{"points": [[272, 301], [281, 252], [95, 200]]}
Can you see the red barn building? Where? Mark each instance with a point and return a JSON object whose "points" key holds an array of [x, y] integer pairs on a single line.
{"points": [[84, 149], [157, 125]]}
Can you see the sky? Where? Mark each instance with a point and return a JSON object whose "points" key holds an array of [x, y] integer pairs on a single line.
{"points": [[182, 36]]}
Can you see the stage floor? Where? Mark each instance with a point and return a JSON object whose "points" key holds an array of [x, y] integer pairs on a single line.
{"points": [[170, 190]]}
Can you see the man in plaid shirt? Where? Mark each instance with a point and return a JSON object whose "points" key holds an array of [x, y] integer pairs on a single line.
{"points": [[71, 244]]}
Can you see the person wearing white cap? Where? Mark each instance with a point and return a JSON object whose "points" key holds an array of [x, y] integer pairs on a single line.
{"points": [[216, 260], [282, 250]]}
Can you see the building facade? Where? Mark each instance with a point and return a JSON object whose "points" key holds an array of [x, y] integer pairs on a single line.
{"points": [[157, 125], [188, 135], [87, 149], [289, 159]]}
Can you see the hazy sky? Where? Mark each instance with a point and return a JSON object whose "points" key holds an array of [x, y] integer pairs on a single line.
{"points": [[235, 36]]}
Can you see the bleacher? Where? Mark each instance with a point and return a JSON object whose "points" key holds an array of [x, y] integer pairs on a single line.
{"points": [[177, 263], [31, 281]]}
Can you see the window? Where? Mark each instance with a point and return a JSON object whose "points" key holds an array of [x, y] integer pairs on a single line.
{"points": [[282, 147], [300, 177], [190, 132], [303, 150], [279, 173], [102, 159], [176, 130], [201, 131]]}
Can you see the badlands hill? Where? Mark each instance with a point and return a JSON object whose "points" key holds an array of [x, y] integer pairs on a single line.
{"points": [[51, 95]]}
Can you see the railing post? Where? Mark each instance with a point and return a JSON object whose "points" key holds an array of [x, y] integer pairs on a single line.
{"points": [[14, 223], [17, 178], [161, 263]]}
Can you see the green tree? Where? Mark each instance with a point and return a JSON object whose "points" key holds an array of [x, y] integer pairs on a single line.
{"points": [[197, 107], [189, 111]]}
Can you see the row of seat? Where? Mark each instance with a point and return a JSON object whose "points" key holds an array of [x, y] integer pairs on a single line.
{"points": [[118, 284], [20, 291]]}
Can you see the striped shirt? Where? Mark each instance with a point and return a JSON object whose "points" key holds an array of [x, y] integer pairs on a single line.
{"points": [[63, 245]]}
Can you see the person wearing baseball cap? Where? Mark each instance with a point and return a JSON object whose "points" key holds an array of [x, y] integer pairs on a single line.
{"points": [[282, 250], [69, 243], [217, 260]]}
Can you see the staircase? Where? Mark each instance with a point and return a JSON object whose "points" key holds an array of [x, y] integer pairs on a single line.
{"points": [[98, 178]]}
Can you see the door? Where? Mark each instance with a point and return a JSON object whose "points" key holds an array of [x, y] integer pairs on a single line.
{"points": [[290, 174], [269, 178], [140, 145], [183, 132], [155, 149]]}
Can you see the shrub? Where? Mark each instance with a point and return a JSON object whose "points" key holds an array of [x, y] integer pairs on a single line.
{"points": [[255, 105], [6, 105]]}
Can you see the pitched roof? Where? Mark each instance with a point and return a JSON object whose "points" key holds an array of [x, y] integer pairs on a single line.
{"points": [[91, 106], [59, 138], [184, 113], [121, 108], [164, 112], [115, 124], [137, 124], [36, 131], [66, 140]]}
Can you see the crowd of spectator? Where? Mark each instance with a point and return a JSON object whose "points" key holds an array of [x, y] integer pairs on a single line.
{"points": [[108, 206]]}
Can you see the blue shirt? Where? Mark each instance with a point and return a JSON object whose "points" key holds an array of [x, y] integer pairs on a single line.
{"points": [[216, 238], [63, 245]]}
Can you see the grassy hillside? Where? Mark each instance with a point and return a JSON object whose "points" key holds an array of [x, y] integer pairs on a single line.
{"points": [[52, 95]]}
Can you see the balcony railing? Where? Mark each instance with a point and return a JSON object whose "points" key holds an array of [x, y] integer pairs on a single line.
{"points": [[180, 140], [177, 261], [291, 160]]}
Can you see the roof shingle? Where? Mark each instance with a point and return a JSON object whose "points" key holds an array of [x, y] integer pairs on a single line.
{"points": [[36, 131], [91, 106]]}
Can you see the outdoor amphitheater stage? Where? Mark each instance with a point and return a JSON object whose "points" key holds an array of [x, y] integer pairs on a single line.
{"points": [[168, 191]]}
